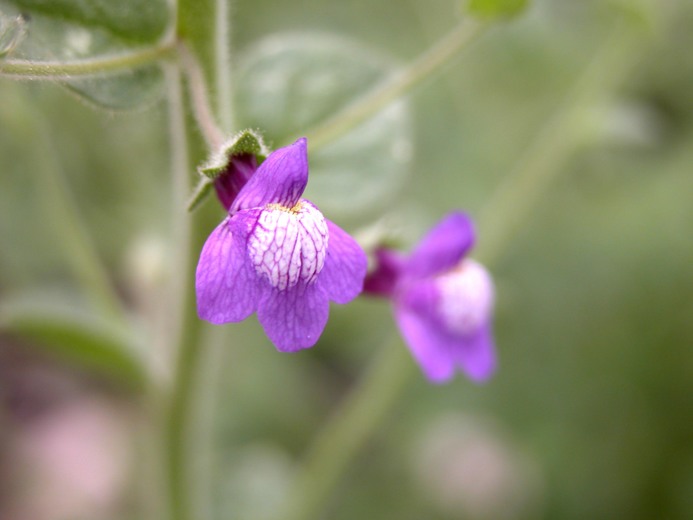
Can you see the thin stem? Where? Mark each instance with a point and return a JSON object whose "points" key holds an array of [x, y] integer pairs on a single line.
{"points": [[512, 202], [224, 84], [396, 86], [52, 70], [202, 109], [348, 429], [359, 415]]}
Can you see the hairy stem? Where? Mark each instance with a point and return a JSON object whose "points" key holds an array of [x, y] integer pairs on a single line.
{"points": [[56, 70], [396, 86], [347, 430]]}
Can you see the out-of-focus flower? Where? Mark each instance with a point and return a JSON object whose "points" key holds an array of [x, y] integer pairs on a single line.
{"points": [[277, 255], [443, 302]]}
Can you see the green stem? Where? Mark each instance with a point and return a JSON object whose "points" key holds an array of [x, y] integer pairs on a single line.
{"points": [[513, 201], [396, 86], [52, 70], [348, 429], [358, 416]]}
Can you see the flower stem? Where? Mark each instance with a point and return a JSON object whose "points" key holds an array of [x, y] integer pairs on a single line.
{"points": [[513, 201], [347, 430], [337, 444], [396, 86], [52, 70]]}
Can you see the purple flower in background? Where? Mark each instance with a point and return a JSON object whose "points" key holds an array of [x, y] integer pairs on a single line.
{"points": [[443, 301], [275, 254]]}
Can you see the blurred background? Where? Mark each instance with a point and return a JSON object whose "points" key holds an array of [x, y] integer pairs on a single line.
{"points": [[590, 413]]}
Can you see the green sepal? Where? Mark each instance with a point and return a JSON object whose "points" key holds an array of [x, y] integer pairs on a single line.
{"points": [[243, 143], [493, 9], [130, 20], [77, 337]]}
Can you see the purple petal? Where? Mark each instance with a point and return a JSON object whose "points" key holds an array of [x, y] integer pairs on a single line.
{"points": [[227, 288], [476, 355], [345, 266], [281, 179], [383, 279], [229, 183], [443, 247], [425, 344], [294, 318]]}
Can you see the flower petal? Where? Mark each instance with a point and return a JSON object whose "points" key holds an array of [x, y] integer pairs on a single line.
{"points": [[236, 175], [426, 345], [294, 318], [345, 266], [227, 288], [281, 179], [476, 355], [443, 247], [382, 280]]}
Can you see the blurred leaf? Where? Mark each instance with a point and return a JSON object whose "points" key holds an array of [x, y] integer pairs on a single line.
{"points": [[123, 91], [12, 31], [78, 338], [288, 84], [131, 20], [496, 8]]}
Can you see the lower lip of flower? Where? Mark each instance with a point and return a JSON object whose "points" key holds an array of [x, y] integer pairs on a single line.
{"points": [[289, 245], [465, 298]]}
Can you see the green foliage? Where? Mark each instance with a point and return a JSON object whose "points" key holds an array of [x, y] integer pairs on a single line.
{"points": [[491, 9], [12, 30], [130, 20], [123, 91], [76, 337], [290, 83]]}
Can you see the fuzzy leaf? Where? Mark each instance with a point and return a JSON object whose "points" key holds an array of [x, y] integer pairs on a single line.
{"points": [[289, 84], [130, 20], [123, 91], [75, 337], [244, 142]]}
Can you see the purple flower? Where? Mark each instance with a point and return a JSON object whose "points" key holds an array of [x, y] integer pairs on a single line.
{"points": [[275, 254], [443, 301], [238, 171]]}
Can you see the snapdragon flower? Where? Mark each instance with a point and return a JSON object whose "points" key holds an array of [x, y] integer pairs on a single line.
{"points": [[443, 301], [277, 255]]}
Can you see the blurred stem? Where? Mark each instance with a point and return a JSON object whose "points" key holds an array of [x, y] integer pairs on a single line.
{"points": [[70, 226], [396, 86], [337, 444], [509, 207], [196, 25], [51, 70]]}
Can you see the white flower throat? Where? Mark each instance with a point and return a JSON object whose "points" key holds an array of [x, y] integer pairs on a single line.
{"points": [[289, 245]]}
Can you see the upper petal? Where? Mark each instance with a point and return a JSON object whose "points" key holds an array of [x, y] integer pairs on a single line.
{"points": [[443, 246], [294, 318], [226, 286], [280, 179], [345, 266]]}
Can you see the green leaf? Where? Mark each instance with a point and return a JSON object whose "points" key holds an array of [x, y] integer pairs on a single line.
{"points": [[289, 84], [12, 31], [490, 9], [123, 91], [75, 337], [136, 21]]}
